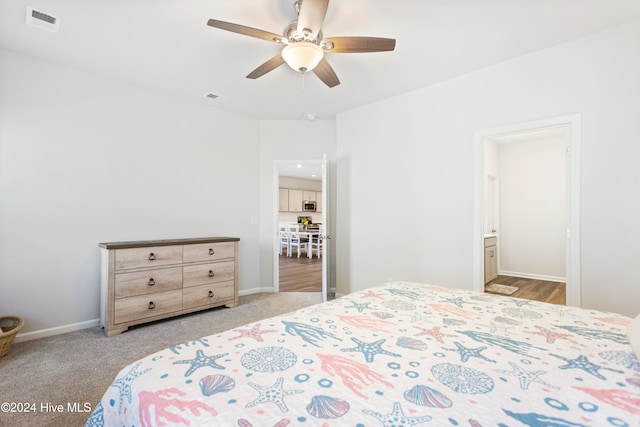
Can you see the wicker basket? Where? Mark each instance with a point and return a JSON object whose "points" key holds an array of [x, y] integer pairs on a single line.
{"points": [[9, 327]]}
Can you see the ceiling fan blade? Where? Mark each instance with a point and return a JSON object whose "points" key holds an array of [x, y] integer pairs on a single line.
{"points": [[244, 30], [263, 69], [325, 73], [358, 44], [311, 17]]}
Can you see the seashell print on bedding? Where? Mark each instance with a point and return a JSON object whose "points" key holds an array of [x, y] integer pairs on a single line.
{"points": [[212, 384], [426, 396], [327, 407]]}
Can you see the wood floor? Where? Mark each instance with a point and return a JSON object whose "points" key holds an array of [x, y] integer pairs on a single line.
{"points": [[300, 274], [305, 275], [536, 290]]}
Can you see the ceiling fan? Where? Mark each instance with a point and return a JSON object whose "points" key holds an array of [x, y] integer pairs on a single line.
{"points": [[304, 43]]}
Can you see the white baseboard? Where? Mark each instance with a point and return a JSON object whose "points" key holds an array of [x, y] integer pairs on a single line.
{"points": [[255, 291], [533, 276], [43, 333]]}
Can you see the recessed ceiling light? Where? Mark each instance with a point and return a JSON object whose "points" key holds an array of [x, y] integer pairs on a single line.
{"points": [[298, 166]]}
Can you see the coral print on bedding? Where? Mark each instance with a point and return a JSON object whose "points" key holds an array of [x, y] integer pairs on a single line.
{"points": [[396, 355]]}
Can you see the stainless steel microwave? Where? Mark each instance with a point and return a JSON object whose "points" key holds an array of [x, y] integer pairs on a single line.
{"points": [[308, 206]]}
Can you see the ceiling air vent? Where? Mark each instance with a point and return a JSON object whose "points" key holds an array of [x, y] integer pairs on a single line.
{"points": [[42, 20], [219, 98]]}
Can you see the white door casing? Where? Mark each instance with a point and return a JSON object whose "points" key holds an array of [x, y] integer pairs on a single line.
{"points": [[573, 271]]}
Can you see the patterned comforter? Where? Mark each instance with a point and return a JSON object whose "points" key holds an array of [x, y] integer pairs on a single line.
{"points": [[396, 355]]}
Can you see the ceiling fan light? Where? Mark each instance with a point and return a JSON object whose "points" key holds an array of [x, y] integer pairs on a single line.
{"points": [[302, 56]]}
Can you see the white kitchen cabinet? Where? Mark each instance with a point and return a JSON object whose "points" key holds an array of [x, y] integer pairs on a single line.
{"points": [[295, 200], [284, 200], [309, 195], [319, 201]]}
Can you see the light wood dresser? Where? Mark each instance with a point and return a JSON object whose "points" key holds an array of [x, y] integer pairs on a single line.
{"points": [[149, 280]]}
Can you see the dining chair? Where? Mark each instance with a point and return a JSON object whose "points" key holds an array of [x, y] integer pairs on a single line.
{"points": [[315, 243], [296, 241], [283, 234]]}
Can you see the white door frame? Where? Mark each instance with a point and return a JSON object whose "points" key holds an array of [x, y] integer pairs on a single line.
{"points": [[276, 215], [573, 270]]}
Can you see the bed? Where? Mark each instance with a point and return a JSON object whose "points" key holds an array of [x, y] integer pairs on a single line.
{"points": [[399, 354]]}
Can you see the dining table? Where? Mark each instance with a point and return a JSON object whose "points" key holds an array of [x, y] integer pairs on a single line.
{"points": [[309, 234]]}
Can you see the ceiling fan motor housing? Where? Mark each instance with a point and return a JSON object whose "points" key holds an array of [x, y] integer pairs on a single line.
{"points": [[292, 35]]}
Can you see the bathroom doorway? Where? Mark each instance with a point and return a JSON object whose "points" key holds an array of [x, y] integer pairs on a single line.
{"points": [[527, 188]]}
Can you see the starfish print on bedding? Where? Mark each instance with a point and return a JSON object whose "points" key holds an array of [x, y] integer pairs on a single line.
{"points": [[359, 307], [582, 362], [396, 417], [201, 360], [254, 333], [467, 352], [372, 294], [274, 394], [124, 384], [552, 336], [369, 349], [526, 377], [434, 332]]}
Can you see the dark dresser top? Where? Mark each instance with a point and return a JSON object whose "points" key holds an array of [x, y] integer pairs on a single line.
{"points": [[166, 242]]}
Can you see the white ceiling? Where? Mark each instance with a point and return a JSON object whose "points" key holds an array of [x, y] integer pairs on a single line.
{"points": [[306, 170], [166, 46]]}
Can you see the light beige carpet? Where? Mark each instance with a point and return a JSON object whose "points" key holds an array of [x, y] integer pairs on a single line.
{"points": [[51, 381], [500, 289]]}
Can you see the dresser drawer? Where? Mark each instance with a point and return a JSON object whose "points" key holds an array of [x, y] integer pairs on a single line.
{"points": [[208, 251], [151, 256], [142, 306], [211, 294], [147, 282], [490, 241], [193, 275]]}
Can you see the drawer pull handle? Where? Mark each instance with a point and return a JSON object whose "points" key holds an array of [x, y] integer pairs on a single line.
{"points": [[152, 256], [211, 273], [151, 305], [211, 251], [210, 294], [151, 282]]}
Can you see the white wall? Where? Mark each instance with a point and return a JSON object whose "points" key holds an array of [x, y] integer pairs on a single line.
{"points": [[532, 231], [409, 162], [288, 140], [85, 159]]}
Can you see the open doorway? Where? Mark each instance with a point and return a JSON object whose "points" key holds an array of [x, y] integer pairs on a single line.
{"points": [[527, 210], [300, 256], [525, 214]]}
